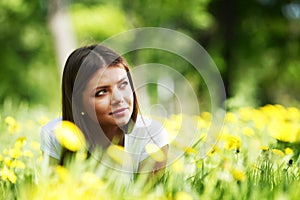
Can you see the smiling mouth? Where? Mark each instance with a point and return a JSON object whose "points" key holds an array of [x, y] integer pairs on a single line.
{"points": [[118, 111]]}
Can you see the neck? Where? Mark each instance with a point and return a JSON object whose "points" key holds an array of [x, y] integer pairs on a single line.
{"points": [[114, 134]]}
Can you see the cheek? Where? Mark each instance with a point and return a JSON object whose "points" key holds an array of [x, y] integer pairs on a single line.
{"points": [[129, 96], [102, 106]]}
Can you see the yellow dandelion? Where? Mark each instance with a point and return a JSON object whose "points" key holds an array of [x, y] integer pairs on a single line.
{"points": [[9, 120], [232, 142], [190, 150], [284, 131], [245, 113], [7, 174], [70, 136], [177, 166], [18, 164], [214, 150], [13, 125], [201, 123], [173, 126], [20, 142], [288, 151], [264, 148], [248, 131], [62, 173], [239, 175], [278, 152], [183, 196], [155, 152], [255, 166], [231, 117], [118, 154], [14, 128], [15, 153], [7, 161], [293, 114], [92, 181], [206, 116]]}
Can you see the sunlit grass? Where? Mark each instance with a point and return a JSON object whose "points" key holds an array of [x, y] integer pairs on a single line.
{"points": [[256, 157]]}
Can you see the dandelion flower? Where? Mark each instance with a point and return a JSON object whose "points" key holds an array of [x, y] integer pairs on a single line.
{"points": [[15, 153], [288, 151], [10, 120], [18, 164], [238, 174], [248, 131], [91, 180], [155, 152], [118, 154], [7, 174], [20, 142], [177, 166], [7, 161], [183, 196], [278, 152], [232, 142], [62, 173], [13, 125], [190, 150], [231, 117], [264, 148], [70, 136]]}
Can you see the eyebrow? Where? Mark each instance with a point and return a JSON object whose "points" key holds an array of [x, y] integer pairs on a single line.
{"points": [[107, 86]]}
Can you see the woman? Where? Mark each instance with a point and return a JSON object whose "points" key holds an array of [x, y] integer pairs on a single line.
{"points": [[98, 95]]}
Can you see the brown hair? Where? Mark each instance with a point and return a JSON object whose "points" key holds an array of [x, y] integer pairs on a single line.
{"points": [[80, 66]]}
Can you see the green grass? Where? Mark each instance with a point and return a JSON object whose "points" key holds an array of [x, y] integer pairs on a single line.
{"points": [[251, 160]]}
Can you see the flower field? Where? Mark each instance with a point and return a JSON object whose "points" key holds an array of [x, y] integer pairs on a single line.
{"points": [[256, 157]]}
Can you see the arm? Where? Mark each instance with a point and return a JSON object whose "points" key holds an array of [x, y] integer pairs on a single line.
{"points": [[49, 145], [154, 169]]}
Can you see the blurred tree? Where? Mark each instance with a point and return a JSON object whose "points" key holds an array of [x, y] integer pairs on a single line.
{"points": [[260, 51], [27, 53], [255, 44], [61, 28]]}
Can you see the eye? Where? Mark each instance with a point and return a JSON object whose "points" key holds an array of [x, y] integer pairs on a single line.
{"points": [[123, 84], [100, 92]]}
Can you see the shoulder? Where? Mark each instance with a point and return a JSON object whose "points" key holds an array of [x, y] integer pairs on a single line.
{"points": [[51, 125], [48, 141], [47, 130]]}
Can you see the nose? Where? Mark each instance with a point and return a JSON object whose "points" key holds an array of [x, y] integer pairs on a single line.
{"points": [[117, 97]]}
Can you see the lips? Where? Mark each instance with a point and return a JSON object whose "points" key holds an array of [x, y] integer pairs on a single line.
{"points": [[119, 111]]}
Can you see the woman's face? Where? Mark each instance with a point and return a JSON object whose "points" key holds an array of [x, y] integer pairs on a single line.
{"points": [[108, 97]]}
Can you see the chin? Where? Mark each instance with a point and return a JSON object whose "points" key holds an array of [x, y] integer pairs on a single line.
{"points": [[122, 122]]}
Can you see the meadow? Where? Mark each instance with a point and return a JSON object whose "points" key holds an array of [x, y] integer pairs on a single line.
{"points": [[256, 157]]}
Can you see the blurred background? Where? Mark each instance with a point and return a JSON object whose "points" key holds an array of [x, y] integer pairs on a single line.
{"points": [[255, 45]]}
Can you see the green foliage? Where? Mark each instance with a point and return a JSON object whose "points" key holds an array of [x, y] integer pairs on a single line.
{"points": [[27, 58], [98, 22], [255, 39]]}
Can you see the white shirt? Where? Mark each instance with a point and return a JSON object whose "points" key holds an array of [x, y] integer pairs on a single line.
{"points": [[145, 131]]}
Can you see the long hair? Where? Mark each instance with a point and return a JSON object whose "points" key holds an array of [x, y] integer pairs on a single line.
{"points": [[80, 66]]}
